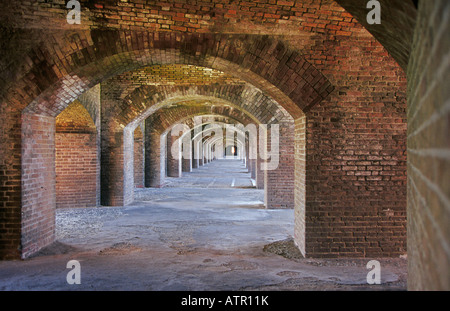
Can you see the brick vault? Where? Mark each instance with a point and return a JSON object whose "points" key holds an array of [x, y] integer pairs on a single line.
{"points": [[351, 100]]}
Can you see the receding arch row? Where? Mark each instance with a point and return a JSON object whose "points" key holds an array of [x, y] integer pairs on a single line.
{"points": [[145, 102], [188, 150], [137, 106], [48, 99], [154, 167], [250, 58], [157, 140], [154, 98], [161, 116], [165, 117]]}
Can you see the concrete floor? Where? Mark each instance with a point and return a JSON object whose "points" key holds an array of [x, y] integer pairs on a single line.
{"points": [[205, 231]]}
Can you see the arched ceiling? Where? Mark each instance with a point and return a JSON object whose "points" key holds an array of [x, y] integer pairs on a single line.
{"points": [[169, 74], [134, 88], [271, 47], [184, 112]]}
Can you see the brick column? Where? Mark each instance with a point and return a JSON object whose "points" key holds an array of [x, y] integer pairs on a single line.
{"points": [[187, 153], [138, 158], [300, 187], [259, 173], [155, 162], [38, 183], [201, 159], [247, 152], [205, 154], [174, 163], [112, 166], [252, 168], [279, 177], [194, 160]]}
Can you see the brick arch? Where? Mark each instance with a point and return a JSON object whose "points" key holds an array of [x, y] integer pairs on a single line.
{"points": [[164, 118], [265, 62], [149, 102], [145, 100], [198, 127], [211, 141], [192, 139], [148, 99], [169, 74], [246, 101], [278, 193]]}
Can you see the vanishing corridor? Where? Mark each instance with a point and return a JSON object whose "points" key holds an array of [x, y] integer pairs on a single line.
{"points": [[209, 144]]}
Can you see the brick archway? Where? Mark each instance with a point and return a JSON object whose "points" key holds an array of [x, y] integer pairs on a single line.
{"points": [[267, 63]]}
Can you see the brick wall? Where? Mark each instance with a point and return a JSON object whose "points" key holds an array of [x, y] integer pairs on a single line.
{"points": [[356, 155], [76, 155], [428, 150], [76, 170], [174, 162], [38, 183], [279, 181], [138, 158]]}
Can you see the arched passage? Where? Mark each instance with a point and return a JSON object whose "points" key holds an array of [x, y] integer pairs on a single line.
{"points": [[180, 111], [270, 65]]}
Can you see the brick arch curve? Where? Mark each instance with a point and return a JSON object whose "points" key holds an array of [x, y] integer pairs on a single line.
{"points": [[214, 141], [145, 100], [163, 118], [263, 61]]}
